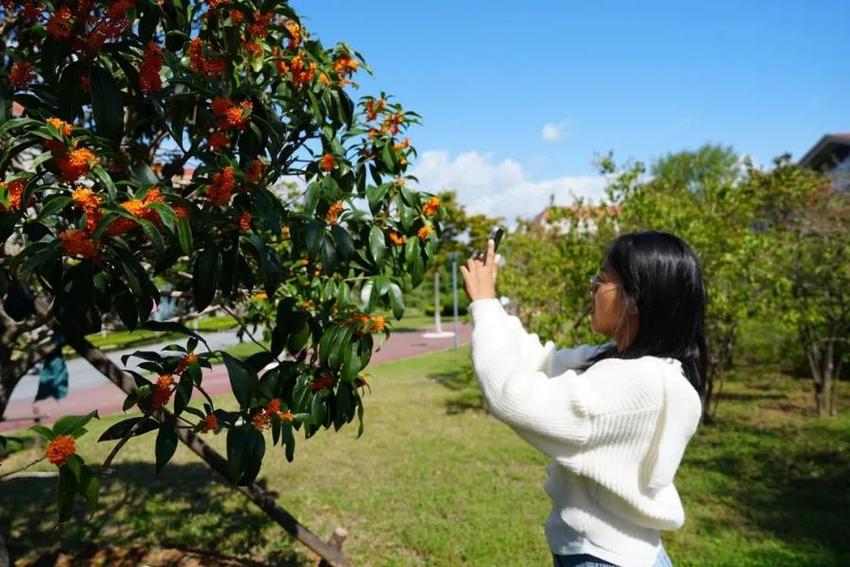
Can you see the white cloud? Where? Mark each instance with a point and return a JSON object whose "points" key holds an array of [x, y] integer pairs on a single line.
{"points": [[500, 188], [554, 131]]}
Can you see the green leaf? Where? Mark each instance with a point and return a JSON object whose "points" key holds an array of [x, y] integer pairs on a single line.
{"points": [[346, 405], [325, 343], [52, 205], [318, 411], [396, 300], [172, 327], [166, 444], [205, 277], [282, 326], [183, 393], [359, 417], [152, 232], [377, 243], [66, 488], [329, 256], [351, 363], [107, 105], [106, 180], [120, 429], [338, 347], [417, 273], [143, 354], [289, 441], [253, 456], [343, 242], [245, 450], [184, 234], [243, 380], [167, 214], [314, 237], [125, 305], [144, 174], [74, 463], [388, 157], [45, 432], [68, 424], [375, 195], [89, 487], [300, 333]]}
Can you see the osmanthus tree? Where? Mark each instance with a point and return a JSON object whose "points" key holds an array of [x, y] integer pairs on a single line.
{"points": [[103, 105]]}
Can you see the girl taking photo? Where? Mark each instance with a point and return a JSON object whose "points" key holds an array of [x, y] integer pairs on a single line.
{"points": [[615, 419]]}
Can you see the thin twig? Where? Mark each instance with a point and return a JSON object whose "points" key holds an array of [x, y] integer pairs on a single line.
{"points": [[23, 468], [29, 475], [108, 462], [244, 327]]}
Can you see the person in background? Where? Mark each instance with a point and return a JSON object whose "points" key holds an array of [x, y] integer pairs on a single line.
{"points": [[615, 418]]}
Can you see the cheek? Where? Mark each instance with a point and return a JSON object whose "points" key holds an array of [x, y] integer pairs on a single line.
{"points": [[604, 315]]}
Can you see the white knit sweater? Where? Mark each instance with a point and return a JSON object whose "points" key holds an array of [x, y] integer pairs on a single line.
{"points": [[616, 434]]}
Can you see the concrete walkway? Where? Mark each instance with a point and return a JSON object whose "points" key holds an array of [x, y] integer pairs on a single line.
{"points": [[89, 390]]}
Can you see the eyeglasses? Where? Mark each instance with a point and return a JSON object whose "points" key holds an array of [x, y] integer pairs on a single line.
{"points": [[595, 282]]}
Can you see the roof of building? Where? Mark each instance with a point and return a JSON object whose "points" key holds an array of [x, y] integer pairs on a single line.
{"points": [[582, 212], [830, 150]]}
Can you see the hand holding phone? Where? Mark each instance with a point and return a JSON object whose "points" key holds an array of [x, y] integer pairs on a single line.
{"points": [[479, 275], [496, 235]]}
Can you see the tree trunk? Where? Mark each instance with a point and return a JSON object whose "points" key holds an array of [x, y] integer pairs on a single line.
{"points": [[8, 381], [259, 496], [823, 367], [717, 373], [832, 398]]}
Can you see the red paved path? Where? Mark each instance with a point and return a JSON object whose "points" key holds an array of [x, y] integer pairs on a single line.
{"points": [[107, 399]]}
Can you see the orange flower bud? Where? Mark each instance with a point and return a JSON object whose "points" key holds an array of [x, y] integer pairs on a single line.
{"points": [[328, 162], [397, 239], [431, 207], [210, 423], [60, 449]]}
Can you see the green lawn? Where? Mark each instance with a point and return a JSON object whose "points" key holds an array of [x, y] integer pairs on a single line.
{"points": [[140, 337], [121, 339], [428, 484]]}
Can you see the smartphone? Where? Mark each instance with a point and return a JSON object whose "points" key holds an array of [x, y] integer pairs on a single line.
{"points": [[496, 235]]}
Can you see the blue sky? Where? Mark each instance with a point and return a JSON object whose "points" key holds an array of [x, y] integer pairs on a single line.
{"points": [[641, 79]]}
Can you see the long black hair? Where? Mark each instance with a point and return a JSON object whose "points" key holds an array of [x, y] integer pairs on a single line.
{"points": [[661, 276]]}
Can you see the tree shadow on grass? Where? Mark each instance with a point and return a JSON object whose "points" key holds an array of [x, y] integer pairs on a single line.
{"points": [[791, 482], [749, 397], [467, 395], [186, 508]]}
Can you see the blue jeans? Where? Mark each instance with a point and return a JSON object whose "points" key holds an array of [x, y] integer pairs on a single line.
{"points": [[663, 560]]}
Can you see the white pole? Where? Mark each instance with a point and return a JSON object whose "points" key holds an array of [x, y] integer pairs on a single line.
{"points": [[438, 323], [454, 299]]}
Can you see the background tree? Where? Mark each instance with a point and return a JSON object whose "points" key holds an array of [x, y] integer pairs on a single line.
{"points": [[813, 260], [117, 99], [735, 216], [548, 266]]}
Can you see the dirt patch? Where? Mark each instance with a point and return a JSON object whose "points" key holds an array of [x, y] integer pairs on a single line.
{"points": [[114, 556]]}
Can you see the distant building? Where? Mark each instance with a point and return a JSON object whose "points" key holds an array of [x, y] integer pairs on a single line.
{"points": [[561, 219], [831, 156]]}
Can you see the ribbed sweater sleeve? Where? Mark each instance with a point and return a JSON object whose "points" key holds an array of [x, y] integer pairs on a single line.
{"points": [[510, 365]]}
